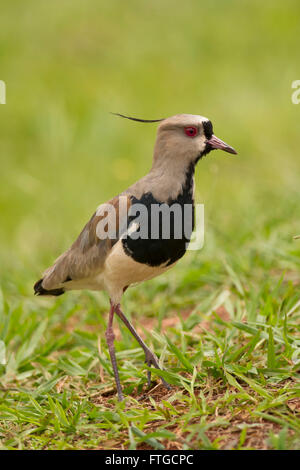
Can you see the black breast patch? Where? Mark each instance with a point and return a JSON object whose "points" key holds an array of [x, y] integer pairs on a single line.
{"points": [[156, 251]]}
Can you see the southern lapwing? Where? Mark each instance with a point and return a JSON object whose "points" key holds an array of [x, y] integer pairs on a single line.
{"points": [[110, 254]]}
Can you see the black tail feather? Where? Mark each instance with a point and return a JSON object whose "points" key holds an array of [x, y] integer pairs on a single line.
{"points": [[39, 290]]}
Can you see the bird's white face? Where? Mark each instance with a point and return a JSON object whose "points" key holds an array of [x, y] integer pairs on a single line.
{"points": [[188, 136]]}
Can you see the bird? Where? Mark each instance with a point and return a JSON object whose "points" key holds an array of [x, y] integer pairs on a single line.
{"points": [[111, 255]]}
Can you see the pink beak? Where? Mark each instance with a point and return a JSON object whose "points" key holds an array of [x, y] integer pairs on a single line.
{"points": [[215, 143]]}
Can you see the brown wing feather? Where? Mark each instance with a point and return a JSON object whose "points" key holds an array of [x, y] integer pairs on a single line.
{"points": [[86, 257]]}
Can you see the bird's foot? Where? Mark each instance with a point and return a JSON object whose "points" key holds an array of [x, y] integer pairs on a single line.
{"points": [[151, 360]]}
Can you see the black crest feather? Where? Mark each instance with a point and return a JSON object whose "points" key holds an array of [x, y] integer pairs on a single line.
{"points": [[137, 119]]}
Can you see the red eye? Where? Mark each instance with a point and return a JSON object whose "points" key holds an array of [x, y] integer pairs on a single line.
{"points": [[191, 131]]}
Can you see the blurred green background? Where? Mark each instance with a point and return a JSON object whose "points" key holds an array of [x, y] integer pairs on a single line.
{"points": [[67, 64]]}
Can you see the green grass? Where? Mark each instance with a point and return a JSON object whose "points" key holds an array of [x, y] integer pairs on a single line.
{"points": [[233, 378], [225, 320]]}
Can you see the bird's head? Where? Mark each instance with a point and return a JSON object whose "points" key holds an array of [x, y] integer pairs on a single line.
{"points": [[188, 137], [184, 138]]}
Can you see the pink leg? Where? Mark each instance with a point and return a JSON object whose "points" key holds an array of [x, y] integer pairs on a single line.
{"points": [[150, 357], [110, 343]]}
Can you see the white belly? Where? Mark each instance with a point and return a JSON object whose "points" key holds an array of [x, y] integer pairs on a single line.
{"points": [[120, 271]]}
